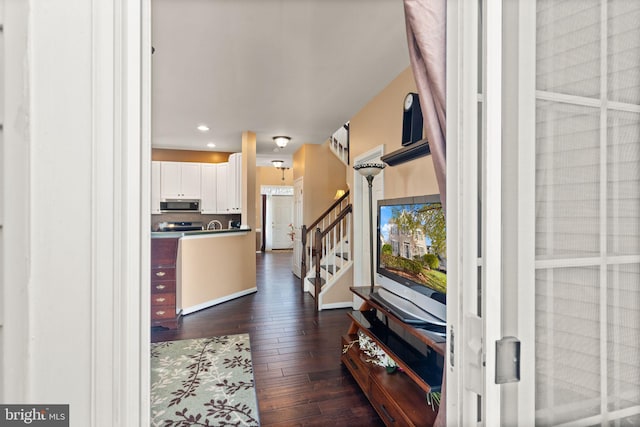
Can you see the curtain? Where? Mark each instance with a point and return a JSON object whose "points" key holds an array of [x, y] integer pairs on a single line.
{"points": [[426, 36]]}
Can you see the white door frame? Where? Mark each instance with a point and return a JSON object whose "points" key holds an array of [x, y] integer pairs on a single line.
{"points": [[114, 73], [298, 199], [473, 326], [359, 240]]}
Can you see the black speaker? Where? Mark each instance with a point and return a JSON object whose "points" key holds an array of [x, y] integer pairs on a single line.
{"points": [[411, 120]]}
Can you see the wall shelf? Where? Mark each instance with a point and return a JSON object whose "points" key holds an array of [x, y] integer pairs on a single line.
{"points": [[407, 153]]}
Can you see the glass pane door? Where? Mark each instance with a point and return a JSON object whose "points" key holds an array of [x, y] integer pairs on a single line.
{"points": [[587, 212]]}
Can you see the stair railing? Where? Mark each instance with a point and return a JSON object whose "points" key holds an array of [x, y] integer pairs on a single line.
{"points": [[329, 246], [308, 235]]}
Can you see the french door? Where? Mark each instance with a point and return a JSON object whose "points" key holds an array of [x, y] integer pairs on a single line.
{"points": [[543, 152]]}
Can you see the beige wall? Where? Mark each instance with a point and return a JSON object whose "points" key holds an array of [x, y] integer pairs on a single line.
{"points": [[298, 162], [323, 174], [380, 123], [268, 175], [212, 268], [166, 155]]}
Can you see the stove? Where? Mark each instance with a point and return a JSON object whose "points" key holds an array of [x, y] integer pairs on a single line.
{"points": [[180, 226]]}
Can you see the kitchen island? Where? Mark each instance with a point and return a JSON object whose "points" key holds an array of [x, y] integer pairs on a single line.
{"points": [[212, 266]]}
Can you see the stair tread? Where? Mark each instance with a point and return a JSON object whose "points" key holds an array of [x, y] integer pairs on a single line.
{"points": [[312, 280], [330, 268]]}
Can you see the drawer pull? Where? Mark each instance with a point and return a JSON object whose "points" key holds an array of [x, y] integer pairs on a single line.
{"points": [[391, 419], [160, 313], [161, 299], [353, 364], [160, 273], [160, 286]]}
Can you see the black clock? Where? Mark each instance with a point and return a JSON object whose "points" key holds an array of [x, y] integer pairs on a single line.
{"points": [[411, 120]]}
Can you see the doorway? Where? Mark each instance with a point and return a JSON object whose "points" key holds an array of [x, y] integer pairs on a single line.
{"points": [[280, 211]]}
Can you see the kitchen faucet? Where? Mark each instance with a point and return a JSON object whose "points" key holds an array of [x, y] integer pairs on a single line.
{"points": [[214, 225]]}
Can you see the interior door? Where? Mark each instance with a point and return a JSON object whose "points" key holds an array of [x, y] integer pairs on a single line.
{"points": [[582, 115], [281, 222], [543, 157]]}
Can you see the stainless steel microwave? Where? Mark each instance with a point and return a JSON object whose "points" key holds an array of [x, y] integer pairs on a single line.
{"points": [[177, 205]]}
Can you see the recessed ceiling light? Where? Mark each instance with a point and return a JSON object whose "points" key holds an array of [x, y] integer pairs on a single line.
{"points": [[211, 145], [203, 128]]}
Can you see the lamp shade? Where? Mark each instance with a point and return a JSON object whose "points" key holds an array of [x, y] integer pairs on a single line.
{"points": [[369, 169], [277, 163]]}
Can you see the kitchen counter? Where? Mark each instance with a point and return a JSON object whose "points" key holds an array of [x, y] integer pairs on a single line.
{"points": [[179, 234], [212, 266]]}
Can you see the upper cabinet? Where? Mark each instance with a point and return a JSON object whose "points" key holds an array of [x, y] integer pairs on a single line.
{"points": [[180, 180], [235, 183], [222, 184], [209, 200], [218, 186]]}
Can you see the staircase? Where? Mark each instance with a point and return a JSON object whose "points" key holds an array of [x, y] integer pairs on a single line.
{"points": [[327, 260]]}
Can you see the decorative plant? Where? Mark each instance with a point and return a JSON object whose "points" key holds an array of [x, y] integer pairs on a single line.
{"points": [[377, 356], [433, 399], [292, 232]]}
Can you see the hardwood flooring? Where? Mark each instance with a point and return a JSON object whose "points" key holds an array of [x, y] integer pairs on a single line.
{"points": [[296, 351]]}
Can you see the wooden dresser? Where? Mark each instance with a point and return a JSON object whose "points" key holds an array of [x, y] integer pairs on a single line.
{"points": [[164, 253]]}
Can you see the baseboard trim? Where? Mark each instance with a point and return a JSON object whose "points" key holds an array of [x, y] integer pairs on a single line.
{"points": [[344, 304], [217, 301]]}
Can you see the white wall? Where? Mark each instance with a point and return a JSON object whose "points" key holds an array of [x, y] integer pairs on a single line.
{"points": [[71, 188]]}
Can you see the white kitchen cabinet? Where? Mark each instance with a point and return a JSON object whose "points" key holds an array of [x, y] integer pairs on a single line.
{"points": [[155, 188], [180, 180], [222, 196], [235, 182], [209, 188]]}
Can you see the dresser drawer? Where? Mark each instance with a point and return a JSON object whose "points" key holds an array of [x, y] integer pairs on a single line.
{"points": [[166, 273], [353, 359], [163, 312], [163, 299], [390, 413], [163, 287]]}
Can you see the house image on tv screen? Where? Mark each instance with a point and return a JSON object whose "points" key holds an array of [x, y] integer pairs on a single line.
{"points": [[407, 245]]}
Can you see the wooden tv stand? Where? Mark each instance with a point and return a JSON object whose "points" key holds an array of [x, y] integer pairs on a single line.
{"points": [[400, 397]]}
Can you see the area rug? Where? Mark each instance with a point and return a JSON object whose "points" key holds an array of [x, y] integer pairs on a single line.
{"points": [[203, 382]]}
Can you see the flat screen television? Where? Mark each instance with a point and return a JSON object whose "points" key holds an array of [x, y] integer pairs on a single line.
{"points": [[411, 264]]}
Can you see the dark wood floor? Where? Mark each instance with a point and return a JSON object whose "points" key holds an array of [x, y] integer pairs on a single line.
{"points": [[296, 351]]}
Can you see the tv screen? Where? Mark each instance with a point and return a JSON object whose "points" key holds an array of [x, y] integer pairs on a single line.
{"points": [[412, 249]]}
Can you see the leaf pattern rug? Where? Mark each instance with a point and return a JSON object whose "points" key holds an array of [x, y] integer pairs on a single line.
{"points": [[203, 382]]}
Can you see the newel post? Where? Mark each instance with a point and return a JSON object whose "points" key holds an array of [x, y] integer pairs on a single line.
{"points": [[317, 258], [303, 259]]}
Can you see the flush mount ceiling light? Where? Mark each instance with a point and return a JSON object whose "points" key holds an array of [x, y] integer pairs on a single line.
{"points": [[203, 128], [211, 145], [281, 141]]}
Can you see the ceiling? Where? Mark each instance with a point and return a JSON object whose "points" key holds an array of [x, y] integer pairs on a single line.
{"points": [[299, 68]]}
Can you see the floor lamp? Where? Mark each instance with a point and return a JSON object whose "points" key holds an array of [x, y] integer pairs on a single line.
{"points": [[369, 171]]}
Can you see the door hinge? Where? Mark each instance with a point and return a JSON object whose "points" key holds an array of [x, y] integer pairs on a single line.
{"points": [[451, 347], [507, 360]]}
